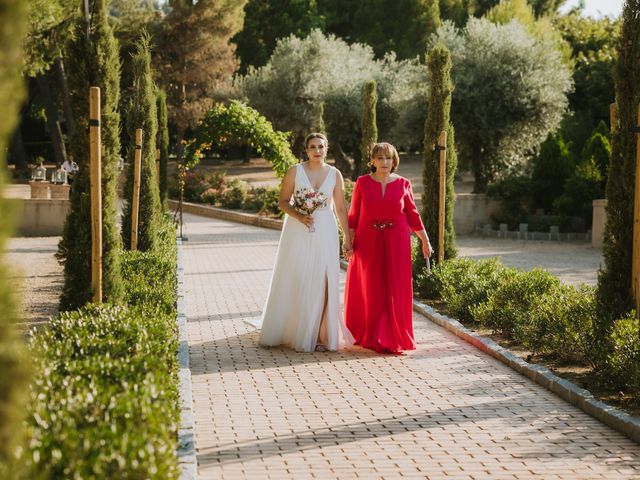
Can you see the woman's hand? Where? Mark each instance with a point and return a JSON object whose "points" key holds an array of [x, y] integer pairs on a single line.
{"points": [[347, 248], [427, 250], [306, 220]]}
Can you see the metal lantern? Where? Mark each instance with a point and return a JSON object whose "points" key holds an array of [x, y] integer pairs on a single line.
{"points": [[59, 176], [39, 173]]}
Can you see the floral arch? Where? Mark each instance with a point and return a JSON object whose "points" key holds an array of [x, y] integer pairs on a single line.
{"points": [[239, 122]]}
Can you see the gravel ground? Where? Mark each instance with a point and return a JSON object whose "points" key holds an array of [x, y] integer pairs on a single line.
{"points": [[38, 276], [572, 262]]}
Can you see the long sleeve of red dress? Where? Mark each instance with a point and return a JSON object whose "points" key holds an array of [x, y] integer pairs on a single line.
{"points": [[354, 209], [411, 211], [378, 292]]}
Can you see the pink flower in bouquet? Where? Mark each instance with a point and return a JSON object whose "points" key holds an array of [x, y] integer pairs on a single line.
{"points": [[306, 200]]}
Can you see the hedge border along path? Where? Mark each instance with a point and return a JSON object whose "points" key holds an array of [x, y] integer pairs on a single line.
{"points": [[186, 434], [581, 398]]}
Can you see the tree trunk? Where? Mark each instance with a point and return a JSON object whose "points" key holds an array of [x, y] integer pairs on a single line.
{"points": [[53, 124], [479, 172], [180, 145], [298, 146], [69, 122], [246, 153], [357, 165], [18, 155], [343, 162]]}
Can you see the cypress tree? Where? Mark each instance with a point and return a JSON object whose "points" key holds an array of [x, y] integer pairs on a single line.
{"points": [[13, 359], [438, 119], [614, 281], [163, 143], [369, 125], [92, 61], [142, 114]]}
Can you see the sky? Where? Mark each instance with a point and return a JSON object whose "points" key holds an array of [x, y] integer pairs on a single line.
{"points": [[593, 8], [596, 8]]}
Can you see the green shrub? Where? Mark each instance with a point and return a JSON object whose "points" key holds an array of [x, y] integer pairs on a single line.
{"points": [[468, 283], [234, 194], [263, 200], [560, 323], [598, 149], [622, 366], [584, 186], [462, 283], [348, 189], [196, 183], [551, 168], [105, 402], [514, 194], [510, 304], [210, 196], [15, 367]]}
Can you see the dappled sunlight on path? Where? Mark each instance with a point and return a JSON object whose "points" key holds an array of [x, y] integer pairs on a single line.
{"points": [[445, 410]]}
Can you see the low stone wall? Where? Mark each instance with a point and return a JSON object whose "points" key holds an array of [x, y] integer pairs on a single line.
{"points": [[471, 209], [40, 217], [231, 215], [599, 218]]}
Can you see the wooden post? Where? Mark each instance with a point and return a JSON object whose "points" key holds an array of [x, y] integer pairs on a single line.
{"points": [[613, 113], [95, 182], [137, 160], [635, 252], [442, 148]]}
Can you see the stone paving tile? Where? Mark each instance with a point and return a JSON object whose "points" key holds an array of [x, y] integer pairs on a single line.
{"points": [[444, 411]]}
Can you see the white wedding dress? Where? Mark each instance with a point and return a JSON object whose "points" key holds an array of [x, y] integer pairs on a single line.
{"points": [[306, 272]]}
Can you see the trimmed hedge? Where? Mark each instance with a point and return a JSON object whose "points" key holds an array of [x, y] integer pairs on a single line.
{"points": [[508, 306], [560, 323], [622, 366], [536, 310], [105, 403]]}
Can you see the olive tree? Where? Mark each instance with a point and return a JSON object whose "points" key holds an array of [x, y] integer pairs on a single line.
{"points": [[318, 81], [510, 93]]}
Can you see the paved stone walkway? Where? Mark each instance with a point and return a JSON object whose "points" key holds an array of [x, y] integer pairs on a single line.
{"points": [[444, 411], [38, 277]]}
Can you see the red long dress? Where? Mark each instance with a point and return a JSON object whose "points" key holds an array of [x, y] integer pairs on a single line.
{"points": [[379, 293]]}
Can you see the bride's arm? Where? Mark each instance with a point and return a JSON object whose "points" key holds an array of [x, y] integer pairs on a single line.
{"points": [[286, 191], [341, 211]]}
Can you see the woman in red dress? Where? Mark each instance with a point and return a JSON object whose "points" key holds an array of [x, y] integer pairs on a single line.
{"points": [[379, 294]]}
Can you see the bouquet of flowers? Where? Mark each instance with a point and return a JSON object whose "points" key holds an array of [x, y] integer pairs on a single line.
{"points": [[307, 200]]}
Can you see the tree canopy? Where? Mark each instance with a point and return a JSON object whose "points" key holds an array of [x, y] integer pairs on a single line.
{"points": [[317, 80], [510, 93], [266, 21], [195, 60]]}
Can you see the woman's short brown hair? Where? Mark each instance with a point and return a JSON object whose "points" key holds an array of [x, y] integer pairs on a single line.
{"points": [[387, 148]]}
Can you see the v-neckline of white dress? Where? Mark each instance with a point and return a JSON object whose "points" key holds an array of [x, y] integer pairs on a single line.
{"points": [[309, 180]]}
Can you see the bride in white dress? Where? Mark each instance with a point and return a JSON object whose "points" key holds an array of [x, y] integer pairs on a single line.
{"points": [[303, 304]]}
